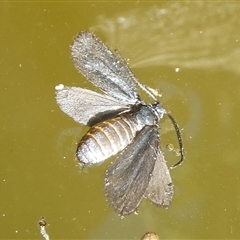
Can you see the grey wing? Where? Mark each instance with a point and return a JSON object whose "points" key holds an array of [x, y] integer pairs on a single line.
{"points": [[86, 106], [103, 68], [160, 188], [128, 176]]}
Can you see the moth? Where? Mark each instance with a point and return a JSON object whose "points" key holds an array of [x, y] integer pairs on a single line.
{"points": [[120, 123]]}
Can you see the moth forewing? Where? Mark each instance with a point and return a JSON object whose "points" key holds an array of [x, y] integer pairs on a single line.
{"points": [[127, 178], [101, 67]]}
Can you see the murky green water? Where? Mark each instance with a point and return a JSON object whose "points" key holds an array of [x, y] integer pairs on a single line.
{"points": [[38, 175]]}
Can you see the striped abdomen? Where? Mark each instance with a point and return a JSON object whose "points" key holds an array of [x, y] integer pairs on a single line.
{"points": [[107, 138]]}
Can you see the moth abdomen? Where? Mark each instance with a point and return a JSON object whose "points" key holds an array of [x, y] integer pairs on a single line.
{"points": [[107, 138]]}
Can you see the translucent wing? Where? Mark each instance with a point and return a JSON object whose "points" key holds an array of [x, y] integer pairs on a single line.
{"points": [[160, 188], [128, 177], [103, 68], [85, 106]]}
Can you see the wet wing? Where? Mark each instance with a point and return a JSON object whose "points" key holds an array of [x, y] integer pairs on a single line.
{"points": [[160, 188], [128, 177], [103, 68], [85, 106]]}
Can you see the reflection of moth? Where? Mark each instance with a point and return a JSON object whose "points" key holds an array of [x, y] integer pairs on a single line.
{"points": [[119, 121]]}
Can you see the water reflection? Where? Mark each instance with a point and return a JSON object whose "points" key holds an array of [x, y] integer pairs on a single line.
{"points": [[181, 34]]}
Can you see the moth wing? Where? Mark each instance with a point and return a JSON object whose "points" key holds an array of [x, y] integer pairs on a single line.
{"points": [[105, 69], [127, 178], [160, 188], [85, 106]]}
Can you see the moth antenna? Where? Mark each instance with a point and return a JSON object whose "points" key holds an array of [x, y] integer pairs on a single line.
{"points": [[179, 141]]}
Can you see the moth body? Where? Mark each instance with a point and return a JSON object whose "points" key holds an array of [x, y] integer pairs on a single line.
{"points": [[111, 136], [120, 123]]}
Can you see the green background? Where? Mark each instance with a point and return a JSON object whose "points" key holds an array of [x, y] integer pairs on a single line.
{"points": [[38, 173]]}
